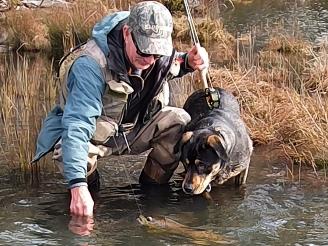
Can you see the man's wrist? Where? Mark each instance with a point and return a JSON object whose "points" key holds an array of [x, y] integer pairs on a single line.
{"points": [[78, 185], [77, 182]]}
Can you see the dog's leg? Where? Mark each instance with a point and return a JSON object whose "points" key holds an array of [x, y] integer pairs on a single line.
{"points": [[239, 173], [245, 175], [240, 179]]}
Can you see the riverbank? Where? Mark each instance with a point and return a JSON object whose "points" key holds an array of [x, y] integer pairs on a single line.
{"points": [[282, 88]]}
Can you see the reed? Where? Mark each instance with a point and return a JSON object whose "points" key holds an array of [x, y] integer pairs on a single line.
{"points": [[316, 71], [28, 90], [56, 31], [282, 89], [211, 34], [280, 115]]}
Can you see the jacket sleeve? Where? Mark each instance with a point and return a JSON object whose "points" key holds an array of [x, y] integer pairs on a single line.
{"points": [[185, 68], [179, 66], [84, 104]]}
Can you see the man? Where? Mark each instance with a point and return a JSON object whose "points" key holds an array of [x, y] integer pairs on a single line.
{"points": [[111, 101]]}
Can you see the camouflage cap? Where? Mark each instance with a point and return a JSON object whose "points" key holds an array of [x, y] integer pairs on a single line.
{"points": [[152, 26]]}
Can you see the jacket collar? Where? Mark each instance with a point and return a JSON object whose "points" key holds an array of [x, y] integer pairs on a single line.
{"points": [[116, 59]]}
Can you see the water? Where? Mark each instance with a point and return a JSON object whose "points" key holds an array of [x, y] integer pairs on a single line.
{"points": [[271, 210], [308, 18]]}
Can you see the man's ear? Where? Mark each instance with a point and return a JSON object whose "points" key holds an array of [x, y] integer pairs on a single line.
{"points": [[215, 142], [184, 139], [126, 31]]}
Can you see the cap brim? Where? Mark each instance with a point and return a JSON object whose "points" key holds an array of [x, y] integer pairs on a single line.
{"points": [[155, 46]]}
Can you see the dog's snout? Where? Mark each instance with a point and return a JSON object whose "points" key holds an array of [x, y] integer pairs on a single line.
{"points": [[188, 188]]}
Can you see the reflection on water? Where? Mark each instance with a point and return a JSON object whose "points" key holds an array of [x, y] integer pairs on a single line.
{"points": [[272, 209], [309, 16]]}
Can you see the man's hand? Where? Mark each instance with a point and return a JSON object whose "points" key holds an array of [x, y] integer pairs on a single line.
{"points": [[81, 201], [198, 58], [81, 225]]}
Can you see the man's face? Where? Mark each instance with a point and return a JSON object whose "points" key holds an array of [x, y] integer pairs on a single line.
{"points": [[137, 59]]}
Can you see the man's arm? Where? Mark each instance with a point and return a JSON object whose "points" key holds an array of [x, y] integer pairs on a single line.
{"points": [[83, 106]]}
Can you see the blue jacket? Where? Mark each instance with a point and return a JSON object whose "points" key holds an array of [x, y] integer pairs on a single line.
{"points": [[76, 124], [86, 86]]}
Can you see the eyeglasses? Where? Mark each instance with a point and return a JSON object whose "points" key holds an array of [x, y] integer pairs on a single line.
{"points": [[139, 51]]}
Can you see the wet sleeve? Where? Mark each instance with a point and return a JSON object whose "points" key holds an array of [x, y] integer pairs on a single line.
{"points": [[84, 104]]}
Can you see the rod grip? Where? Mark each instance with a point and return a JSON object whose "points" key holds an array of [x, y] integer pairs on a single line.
{"points": [[203, 73]]}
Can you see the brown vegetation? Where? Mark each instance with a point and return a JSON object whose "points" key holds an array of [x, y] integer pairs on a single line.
{"points": [[27, 93], [283, 96], [282, 90]]}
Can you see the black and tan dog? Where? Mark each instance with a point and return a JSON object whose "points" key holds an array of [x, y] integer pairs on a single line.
{"points": [[216, 145]]}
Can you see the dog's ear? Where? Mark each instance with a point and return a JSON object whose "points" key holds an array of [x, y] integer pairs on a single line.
{"points": [[215, 142], [185, 138]]}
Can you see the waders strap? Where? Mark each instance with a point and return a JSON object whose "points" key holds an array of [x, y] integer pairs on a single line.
{"points": [[126, 127], [212, 97], [67, 54]]}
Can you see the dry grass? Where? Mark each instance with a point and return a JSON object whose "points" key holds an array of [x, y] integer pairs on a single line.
{"points": [[56, 29], [27, 31], [28, 90], [316, 71], [211, 34], [285, 59], [278, 104], [60, 28], [279, 115], [281, 90]]}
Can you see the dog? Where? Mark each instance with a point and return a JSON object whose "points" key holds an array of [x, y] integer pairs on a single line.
{"points": [[215, 145]]}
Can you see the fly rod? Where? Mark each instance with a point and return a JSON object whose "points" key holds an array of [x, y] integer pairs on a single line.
{"points": [[194, 37]]}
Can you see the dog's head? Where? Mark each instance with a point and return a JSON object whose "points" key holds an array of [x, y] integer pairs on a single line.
{"points": [[203, 156]]}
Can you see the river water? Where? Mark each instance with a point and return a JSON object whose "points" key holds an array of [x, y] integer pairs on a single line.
{"points": [[274, 208], [308, 18]]}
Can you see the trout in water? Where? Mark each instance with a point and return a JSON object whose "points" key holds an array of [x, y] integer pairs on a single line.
{"points": [[167, 225]]}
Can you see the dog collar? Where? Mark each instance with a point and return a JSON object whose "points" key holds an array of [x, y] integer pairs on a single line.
{"points": [[212, 97]]}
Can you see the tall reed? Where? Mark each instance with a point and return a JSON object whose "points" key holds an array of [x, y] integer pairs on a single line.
{"points": [[282, 89], [28, 91]]}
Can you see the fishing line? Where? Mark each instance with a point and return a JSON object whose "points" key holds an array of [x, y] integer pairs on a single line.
{"points": [[126, 172], [130, 183]]}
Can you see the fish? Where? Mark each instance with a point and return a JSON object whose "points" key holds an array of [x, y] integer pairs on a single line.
{"points": [[167, 225]]}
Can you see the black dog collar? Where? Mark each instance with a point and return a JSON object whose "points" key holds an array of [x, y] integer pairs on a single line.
{"points": [[212, 97]]}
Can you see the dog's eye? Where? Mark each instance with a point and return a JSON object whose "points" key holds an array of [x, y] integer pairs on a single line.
{"points": [[203, 168]]}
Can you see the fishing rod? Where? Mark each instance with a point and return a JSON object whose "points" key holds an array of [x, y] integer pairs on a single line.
{"points": [[195, 39], [212, 94]]}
